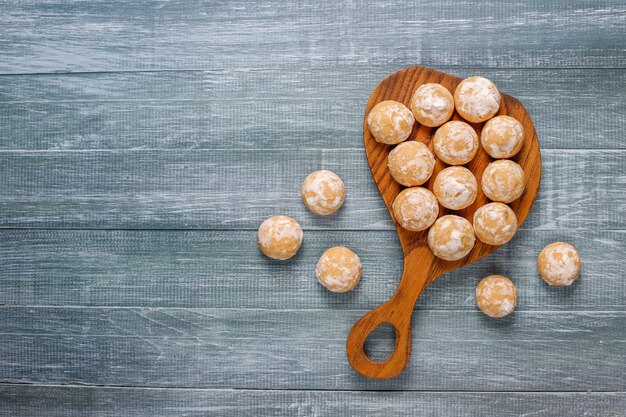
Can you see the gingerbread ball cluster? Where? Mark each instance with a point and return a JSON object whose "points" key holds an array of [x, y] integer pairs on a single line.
{"points": [[442, 201], [443, 195], [323, 192], [559, 264]]}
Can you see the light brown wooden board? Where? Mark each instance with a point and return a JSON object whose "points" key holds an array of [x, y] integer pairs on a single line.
{"points": [[421, 267]]}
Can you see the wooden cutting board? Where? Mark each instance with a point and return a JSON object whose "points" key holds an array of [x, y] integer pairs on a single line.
{"points": [[421, 267]]}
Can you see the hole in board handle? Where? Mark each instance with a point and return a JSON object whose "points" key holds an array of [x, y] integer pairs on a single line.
{"points": [[380, 343]]}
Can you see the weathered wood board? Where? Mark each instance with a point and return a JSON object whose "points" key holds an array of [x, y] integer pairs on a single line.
{"points": [[237, 189], [304, 349], [141, 144], [60, 401], [275, 108], [200, 269], [125, 35]]}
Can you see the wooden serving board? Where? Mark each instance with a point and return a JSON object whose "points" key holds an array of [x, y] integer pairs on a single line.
{"points": [[421, 267]]}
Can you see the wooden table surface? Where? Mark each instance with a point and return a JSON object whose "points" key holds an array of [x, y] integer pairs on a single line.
{"points": [[142, 143]]}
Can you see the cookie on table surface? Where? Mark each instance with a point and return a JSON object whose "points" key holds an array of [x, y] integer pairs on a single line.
{"points": [[496, 296], [339, 269], [559, 264], [280, 237], [323, 192]]}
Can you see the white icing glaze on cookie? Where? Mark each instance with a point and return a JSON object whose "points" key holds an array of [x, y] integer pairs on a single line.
{"points": [[390, 122], [411, 163], [339, 269], [502, 137], [455, 188], [451, 238], [323, 192], [415, 208], [559, 264], [495, 223], [477, 99], [455, 143], [432, 104]]}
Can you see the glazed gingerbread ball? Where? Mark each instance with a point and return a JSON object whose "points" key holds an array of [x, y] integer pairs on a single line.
{"points": [[280, 237], [502, 137], [559, 264], [455, 143], [495, 223], [323, 192], [503, 181], [451, 238], [415, 208], [477, 99], [496, 296], [455, 188], [390, 122], [339, 269], [411, 163], [432, 105]]}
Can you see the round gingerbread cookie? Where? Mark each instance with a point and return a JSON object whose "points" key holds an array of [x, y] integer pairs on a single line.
{"points": [[495, 223], [411, 163], [451, 238], [477, 99], [455, 143], [415, 208], [502, 137], [280, 237], [390, 122], [323, 192], [432, 105], [455, 188], [503, 181], [559, 264], [496, 296], [339, 269]]}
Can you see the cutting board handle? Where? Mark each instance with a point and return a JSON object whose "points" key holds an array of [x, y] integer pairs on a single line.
{"points": [[397, 312]]}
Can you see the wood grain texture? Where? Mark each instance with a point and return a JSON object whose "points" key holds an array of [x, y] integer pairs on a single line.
{"points": [[268, 349], [123, 35], [290, 80], [215, 324], [285, 108], [75, 401], [216, 269], [237, 189]]}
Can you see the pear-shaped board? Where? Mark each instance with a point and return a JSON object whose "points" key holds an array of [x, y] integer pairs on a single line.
{"points": [[421, 267]]}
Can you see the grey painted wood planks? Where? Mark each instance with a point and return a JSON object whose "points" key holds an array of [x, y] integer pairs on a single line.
{"points": [[199, 309], [238, 188], [214, 324], [229, 348], [113, 36], [275, 108], [225, 269], [74, 401]]}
